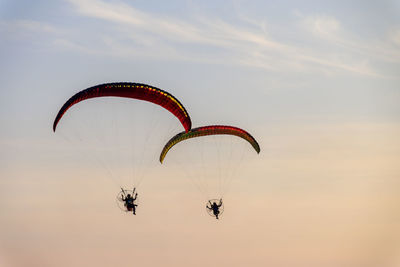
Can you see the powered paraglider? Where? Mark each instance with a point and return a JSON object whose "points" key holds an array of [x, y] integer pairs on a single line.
{"points": [[121, 135]]}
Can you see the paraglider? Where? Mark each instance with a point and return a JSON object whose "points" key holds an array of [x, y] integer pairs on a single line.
{"points": [[109, 143], [129, 200], [215, 207]]}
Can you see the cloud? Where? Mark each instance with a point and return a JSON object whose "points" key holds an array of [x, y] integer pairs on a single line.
{"points": [[394, 36], [69, 45], [129, 16], [322, 25], [327, 28], [16, 27], [249, 45], [130, 32]]}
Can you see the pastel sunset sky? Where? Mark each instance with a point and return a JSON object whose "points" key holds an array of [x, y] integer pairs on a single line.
{"points": [[315, 82]]}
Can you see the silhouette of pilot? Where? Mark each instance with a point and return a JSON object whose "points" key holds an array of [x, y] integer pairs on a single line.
{"points": [[130, 202], [215, 207]]}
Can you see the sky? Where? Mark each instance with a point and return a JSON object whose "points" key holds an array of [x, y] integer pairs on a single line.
{"points": [[315, 82]]}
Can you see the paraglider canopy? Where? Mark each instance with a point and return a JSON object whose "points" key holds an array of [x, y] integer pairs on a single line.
{"points": [[209, 130], [130, 90]]}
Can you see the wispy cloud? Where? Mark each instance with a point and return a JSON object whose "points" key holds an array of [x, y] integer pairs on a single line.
{"points": [[394, 36], [322, 26], [24, 30], [330, 30], [26, 26], [138, 33], [252, 46], [69, 45]]}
